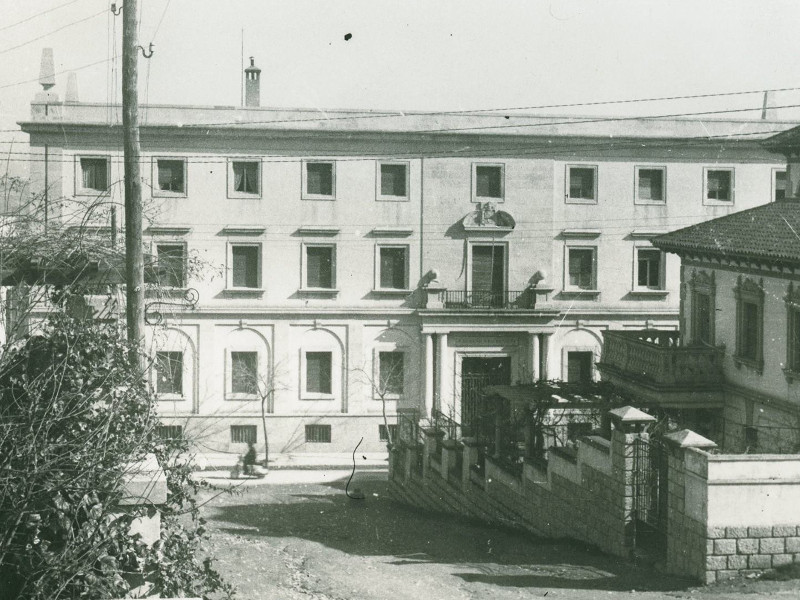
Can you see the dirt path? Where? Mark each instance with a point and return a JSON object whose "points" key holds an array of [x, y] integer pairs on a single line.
{"points": [[296, 538]]}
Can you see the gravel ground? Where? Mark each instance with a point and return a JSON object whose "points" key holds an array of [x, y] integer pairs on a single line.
{"points": [[296, 535]]}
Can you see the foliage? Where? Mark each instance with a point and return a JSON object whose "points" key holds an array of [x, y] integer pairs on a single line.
{"points": [[74, 415]]}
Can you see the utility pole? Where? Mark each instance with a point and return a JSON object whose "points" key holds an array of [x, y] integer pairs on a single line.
{"points": [[134, 260]]}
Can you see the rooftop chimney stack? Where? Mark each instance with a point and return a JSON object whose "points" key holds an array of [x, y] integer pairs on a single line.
{"points": [[47, 71], [71, 95], [252, 85]]}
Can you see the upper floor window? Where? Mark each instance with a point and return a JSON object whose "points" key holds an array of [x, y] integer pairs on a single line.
{"points": [[244, 373], [170, 176], [244, 179], [245, 266], [719, 185], [93, 175], [792, 330], [319, 266], [487, 183], [319, 180], [171, 265], [169, 373], [319, 374], [392, 267], [779, 184], [651, 185], [702, 313], [392, 181], [749, 322], [582, 184], [649, 269], [581, 268]]}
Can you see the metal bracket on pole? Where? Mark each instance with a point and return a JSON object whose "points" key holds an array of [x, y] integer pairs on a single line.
{"points": [[116, 11], [149, 53], [153, 314]]}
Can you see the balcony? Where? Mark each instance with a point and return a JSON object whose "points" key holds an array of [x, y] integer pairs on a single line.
{"points": [[660, 360], [455, 299]]}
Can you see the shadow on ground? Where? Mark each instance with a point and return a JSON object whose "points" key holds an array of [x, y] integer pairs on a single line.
{"points": [[379, 526]]}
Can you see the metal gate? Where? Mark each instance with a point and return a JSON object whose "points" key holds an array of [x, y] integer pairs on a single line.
{"points": [[650, 494], [472, 385]]}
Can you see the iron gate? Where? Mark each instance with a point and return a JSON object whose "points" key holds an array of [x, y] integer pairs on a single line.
{"points": [[650, 495], [472, 385]]}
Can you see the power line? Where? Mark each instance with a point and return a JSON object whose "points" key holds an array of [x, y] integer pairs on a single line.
{"points": [[44, 35], [38, 15], [86, 66], [161, 20]]}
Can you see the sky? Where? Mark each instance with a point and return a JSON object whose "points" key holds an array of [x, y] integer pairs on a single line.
{"points": [[414, 54]]}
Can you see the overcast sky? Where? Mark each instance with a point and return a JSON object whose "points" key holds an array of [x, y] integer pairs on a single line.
{"points": [[416, 55]]}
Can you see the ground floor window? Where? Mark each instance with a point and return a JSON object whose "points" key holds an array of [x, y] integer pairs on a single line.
{"points": [[243, 434], [579, 367], [318, 434]]}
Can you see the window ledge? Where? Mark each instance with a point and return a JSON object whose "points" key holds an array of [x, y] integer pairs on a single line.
{"points": [[581, 293], [312, 396], [170, 397], [755, 365], [243, 292], [570, 200], [381, 198], [712, 202], [392, 292], [244, 196], [90, 192], [491, 199], [240, 397], [168, 194], [650, 293], [388, 397], [318, 197], [641, 202], [319, 291]]}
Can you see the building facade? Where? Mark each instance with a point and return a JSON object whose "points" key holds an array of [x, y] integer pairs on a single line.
{"points": [[350, 265]]}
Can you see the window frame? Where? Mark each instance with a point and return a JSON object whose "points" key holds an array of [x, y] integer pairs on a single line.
{"points": [[304, 194], [170, 396], [322, 427], [568, 287], [702, 283], [304, 287], [377, 275], [232, 193], [259, 270], [379, 195], [335, 378], [714, 201], [639, 289], [376, 372], [494, 199], [792, 300], [506, 262], [249, 427], [775, 172], [84, 191], [156, 189], [156, 244], [229, 393], [750, 292], [646, 201], [571, 200]]}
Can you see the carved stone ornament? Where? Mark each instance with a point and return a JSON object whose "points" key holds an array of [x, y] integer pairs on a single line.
{"points": [[488, 216], [702, 279], [792, 295]]}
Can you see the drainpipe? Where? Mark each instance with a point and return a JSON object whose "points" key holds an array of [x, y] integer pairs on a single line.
{"points": [[421, 213]]}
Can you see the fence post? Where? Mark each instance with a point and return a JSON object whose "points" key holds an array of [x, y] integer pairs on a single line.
{"points": [[470, 457]]}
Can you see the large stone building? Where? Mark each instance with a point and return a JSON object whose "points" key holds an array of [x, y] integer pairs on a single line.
{"points": [[358, 261]]}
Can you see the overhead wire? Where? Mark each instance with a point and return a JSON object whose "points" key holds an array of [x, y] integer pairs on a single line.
{"points": [[39, 14], [49, 33]]}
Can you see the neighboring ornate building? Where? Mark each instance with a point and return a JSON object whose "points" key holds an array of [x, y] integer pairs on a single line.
{"points": [[362, 259], [732, 373]]}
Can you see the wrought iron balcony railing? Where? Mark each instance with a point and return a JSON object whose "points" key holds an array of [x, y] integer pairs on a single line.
{"points": [[481, 299]]}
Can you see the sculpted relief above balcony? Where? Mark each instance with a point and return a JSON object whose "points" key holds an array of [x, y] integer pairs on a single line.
{"points": [[487, 219]]}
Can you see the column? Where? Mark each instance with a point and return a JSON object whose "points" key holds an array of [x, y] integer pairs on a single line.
{"points": [[444, 374], [428, 376], [533, 346], [544, 373]]}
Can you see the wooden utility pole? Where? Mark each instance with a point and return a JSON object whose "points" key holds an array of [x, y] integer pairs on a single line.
{"points": [[134, 260]]}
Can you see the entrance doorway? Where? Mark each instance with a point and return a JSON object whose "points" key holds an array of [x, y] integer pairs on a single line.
{"points": [[477, 372], [579, 367]]}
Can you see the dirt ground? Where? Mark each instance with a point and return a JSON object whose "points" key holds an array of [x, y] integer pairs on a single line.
{"points": [[296, 535]]}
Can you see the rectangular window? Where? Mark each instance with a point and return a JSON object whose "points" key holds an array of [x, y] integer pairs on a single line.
{"points": [[169, 432], [169, 373], [648, 268], [319, 179], [650, 184], [488, 181], [244, 434], [171, 175], [582, 183], [393, 267], [383, 433], [749, 327], [719, 184], [94, 174], [245, 176], [394, 180], [391, 373], [318, 372], [779, 185], [579, 367], [319, 266], [244, 372], [318, 434], [581, 268], [793, 342], [702, 313], [246, 266], [171, 264], [488, 271]]}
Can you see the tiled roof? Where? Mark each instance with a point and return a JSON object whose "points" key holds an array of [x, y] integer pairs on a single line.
{"points": [[770, 232]]}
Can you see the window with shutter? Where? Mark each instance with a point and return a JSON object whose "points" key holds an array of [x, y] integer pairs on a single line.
{"points": [[319, 267], [650, 184], [393, 269], [246, 266], [581, 183], [488, 269], [581, 268]]}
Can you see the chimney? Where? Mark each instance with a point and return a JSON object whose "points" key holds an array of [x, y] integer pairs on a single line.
{"points": [[47, 99], [47, 72], [71, 95], [252, 85]]}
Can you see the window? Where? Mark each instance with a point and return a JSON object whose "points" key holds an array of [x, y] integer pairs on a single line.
{"points": [[169, 432], [749, 322], [169, 373], [487, 183], [384, 433], [319, 180], [701, 317], [792, 300], [171, 175], [487, 276], [244, 434], [582, 183], [650, 185], [393, 267], [93, 175], [719, 185], [244, 178], [579, 367], [171, 264], [246, 266], [702, 312], [779, 184], [318, 434], [392, 181], [320, 267], [244, 373], [649, 268], [581, 268], [319, 372], [391, 373]]}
